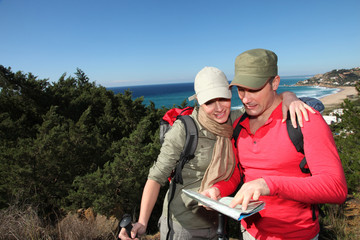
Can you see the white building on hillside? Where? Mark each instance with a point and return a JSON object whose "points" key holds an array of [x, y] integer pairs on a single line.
{"points": [[331, 118]]}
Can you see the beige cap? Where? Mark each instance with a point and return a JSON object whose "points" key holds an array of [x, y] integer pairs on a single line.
{"points": [[210, 83]]}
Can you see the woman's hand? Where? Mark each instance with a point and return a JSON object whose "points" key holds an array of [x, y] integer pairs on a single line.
{"points": [[213, 193], [296, 107], [137, 230]]}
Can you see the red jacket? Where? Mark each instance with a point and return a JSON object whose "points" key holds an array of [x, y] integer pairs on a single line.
{"points": [[270, 154]]}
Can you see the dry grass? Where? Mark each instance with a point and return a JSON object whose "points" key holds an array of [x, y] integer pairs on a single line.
{"points": [[333, 224], [22, 224], [25, 224], [151, 237], [352, 214], [86, 226], [341, 222]]}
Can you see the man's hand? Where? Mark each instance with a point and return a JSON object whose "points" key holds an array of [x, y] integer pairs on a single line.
{"points": [[296, 107], [137, 230], [250, 190]]}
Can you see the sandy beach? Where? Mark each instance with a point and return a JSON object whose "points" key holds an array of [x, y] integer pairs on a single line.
{"points": [[338, 97]]}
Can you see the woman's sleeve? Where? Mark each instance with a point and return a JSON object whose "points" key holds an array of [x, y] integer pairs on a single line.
{"points": [[169, 154]]}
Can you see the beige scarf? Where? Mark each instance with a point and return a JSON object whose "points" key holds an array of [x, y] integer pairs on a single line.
{"points": [[222, 163]]}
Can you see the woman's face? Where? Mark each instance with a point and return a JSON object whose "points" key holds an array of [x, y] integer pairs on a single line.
{"points": [[218, 109]]}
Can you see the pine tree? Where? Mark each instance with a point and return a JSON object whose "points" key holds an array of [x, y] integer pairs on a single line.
{"points": [[347, 140]]}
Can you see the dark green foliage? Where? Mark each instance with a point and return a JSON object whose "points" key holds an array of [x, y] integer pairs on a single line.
{"points": [[348, 141], [73, 144], [120, 181]]}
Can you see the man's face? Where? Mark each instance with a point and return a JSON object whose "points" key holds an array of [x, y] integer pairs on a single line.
{"points": [[257, 102], [218, 109]]}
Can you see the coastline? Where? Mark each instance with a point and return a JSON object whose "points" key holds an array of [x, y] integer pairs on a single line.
{"points": [[337, 98]]}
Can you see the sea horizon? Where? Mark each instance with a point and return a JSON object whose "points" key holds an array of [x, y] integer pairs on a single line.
{"points": [[173, 94]]}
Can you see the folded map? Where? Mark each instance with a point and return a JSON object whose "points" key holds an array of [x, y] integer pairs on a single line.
{"points": [[222, 205]]}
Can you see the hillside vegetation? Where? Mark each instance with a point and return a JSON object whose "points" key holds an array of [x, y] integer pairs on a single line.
{"points": [[334, 78], [73, 145]]}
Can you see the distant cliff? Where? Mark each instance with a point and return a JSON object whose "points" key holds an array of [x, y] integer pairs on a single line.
{"points": [[335, 78]]}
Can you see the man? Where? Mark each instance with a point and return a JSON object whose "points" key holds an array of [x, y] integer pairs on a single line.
{"points": [[270, 162]]}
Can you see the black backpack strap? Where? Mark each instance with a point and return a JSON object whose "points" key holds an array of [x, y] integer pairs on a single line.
{"points": [[238, 128], [236, 133], [189, 147], [187, 154], [297, 139], [296, 135]]}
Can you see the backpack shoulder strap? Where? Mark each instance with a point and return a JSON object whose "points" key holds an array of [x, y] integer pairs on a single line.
{"points": [[238, 128], [188, 152], [296, 135], [297, 139], [191, 136]]}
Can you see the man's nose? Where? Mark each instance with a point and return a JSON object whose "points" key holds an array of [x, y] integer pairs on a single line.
{"points": [[246, 97]]}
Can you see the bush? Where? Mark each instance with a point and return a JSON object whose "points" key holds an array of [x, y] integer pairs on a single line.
{"points": [[22, 223], [87, 227], [347, 140]]}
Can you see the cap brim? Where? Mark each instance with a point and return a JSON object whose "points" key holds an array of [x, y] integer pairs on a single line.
{"points": [[192, 97], [250, 82], [219, 92]]}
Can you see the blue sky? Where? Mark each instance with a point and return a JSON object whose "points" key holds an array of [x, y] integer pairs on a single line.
{"points": [[133, 42]]}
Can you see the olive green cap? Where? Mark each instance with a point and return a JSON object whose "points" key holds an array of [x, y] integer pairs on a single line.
{"points": [[254, 67]]}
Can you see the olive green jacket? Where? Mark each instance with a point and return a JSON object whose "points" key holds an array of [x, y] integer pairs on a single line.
{"points": [[183, 209]]}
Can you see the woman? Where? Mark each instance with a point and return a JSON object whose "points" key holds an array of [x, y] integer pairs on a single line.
{"points": [[214, 161]]}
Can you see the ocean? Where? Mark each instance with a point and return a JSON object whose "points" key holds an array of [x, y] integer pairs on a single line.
{"points": [[171, 94]]}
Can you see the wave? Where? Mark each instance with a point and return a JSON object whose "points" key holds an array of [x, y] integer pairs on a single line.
{"points": [[168, 95]]}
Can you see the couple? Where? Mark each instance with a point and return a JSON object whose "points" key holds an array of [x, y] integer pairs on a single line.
{"points": [[264, 154]]}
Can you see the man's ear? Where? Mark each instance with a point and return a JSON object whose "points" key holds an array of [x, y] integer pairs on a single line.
{"points": [[276, 82]]}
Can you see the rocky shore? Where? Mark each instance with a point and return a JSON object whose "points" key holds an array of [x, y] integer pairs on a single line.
{"points": [[334, 78], [343, 79]]}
